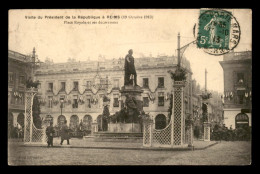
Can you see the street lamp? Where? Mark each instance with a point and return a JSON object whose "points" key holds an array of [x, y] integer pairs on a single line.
{"points": [[61, 105]]}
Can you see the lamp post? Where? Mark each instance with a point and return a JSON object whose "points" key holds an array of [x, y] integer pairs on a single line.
{"points": [[205, 105], [61, 105]]}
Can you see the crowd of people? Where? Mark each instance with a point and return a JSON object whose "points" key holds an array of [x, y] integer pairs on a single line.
{"points": [[15, 131], [219, 133], [229, 134]]}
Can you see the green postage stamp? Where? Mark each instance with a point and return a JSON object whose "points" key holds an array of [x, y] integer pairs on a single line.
{"points": [[218, 31]]}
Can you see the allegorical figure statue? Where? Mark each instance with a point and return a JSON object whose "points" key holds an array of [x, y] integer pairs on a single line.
{"points": [[213, 29], [130, 102], [130, 73]]}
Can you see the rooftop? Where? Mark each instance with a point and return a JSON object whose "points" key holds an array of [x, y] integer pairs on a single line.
{"points": [[109, 64], [243, 55], [18, 56]]}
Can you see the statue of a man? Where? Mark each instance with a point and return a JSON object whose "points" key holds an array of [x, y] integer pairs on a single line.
{"points": [[130, 73]]}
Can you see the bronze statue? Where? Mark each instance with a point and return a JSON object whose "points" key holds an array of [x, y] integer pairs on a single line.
{"points": [[130, 72], [130, 102]]}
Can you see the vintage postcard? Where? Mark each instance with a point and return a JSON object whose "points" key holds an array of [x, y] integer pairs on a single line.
{"points": [[129, 86]]}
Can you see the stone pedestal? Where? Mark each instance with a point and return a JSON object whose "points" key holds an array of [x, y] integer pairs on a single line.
{"points": [[134, 91], [206, 131], [190, 135], [124, 127], [94, 128]]}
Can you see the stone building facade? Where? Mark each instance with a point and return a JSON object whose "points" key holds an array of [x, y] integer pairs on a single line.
{"points": [[20, 67], [215, 108], [80, 87], [237, 67]]}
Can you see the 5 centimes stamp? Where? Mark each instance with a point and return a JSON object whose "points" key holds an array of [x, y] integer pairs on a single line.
{"points": [[218, 31]]}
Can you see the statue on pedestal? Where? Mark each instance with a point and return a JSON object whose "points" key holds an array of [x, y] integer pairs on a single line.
{"points": [[130, 72]]}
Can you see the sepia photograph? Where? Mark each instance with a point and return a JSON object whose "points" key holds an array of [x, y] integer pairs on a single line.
{"points": [[135, 87]]}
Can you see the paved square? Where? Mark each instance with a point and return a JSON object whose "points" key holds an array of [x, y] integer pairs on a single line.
{"points": [[223, 153]]}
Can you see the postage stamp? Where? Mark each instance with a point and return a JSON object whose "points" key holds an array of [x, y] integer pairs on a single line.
{"points": [[218, 31]]}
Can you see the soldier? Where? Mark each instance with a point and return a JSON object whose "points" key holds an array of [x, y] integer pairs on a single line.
{"points": [[49, 132]]}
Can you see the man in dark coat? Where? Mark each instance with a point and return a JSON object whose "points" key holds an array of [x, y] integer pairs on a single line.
{"points": [[130, 73], [49, 132], [65, 133]]}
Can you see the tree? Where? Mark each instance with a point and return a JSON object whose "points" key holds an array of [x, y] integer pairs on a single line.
{"points": [[105, 116], [179, 74], [197, 132], [36, 111]]}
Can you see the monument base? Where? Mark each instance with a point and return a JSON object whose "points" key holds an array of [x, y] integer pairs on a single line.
{"points": [[124, 127], [135, 92]]}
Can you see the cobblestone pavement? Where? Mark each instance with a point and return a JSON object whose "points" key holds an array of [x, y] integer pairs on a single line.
{"points": [[92, 143], [224, 153]]}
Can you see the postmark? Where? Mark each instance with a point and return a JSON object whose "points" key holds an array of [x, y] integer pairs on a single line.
{"points": [[218, 32]]}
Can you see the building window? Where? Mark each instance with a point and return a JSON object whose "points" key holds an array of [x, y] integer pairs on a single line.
{"points": [[63, 86], [116, 101], [74, 122], [116, 83], [87, 121], [12, 98], [240, 96], [22, 98], [103, 84], [160, 99], [10, 77], [145, 102], [240, 78], [240, 99], [75, 86], [50, 87], [160, 121], [88, 86], [145, 83], [21, 80], [61, 120], [88, 102], [101, 100], [75, 101], [50, 101], [242, 121], [160, 82]]}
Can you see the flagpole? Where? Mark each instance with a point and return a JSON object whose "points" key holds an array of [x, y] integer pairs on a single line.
{"points": [[206, 80], [179, 55]]}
